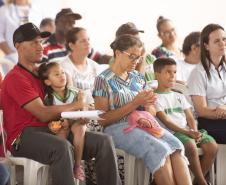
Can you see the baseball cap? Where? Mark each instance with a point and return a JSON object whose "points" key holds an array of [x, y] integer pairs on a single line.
{"points": [[27, 32], [68, 12], [128, 28]]}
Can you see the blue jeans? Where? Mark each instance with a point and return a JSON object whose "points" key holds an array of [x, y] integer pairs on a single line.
{"points": [[153, 151]]}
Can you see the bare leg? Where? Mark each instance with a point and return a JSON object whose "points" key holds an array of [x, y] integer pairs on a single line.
{"points": [[195, 166], [78, 131], [180, 169], [209, 155], [164, 176]]}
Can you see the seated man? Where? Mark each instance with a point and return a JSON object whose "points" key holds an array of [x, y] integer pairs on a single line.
{"points": [[26, 118]]}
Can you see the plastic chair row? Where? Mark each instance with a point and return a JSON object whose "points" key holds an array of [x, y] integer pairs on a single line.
{"points": [[35, 173], [135, 172]]}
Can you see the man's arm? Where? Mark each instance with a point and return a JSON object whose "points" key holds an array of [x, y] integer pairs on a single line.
{"points": [[49, 113]]}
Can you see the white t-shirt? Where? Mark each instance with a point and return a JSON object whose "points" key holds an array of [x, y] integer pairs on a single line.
{"points": [[214, 90], [184, 70], [173, 104], [83, 80]]}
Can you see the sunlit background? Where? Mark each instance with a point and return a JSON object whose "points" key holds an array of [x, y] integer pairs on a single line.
{"points": [[102, 17]]}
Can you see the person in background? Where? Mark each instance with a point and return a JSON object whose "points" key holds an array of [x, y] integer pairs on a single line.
{"points": [[80, 69], [168, 36], [119, 91], [13, 14], [47, 24], [54, 46], [26, 118], [146, 67], [175, 113], [1, 2], [207, 83], [191, 51]]}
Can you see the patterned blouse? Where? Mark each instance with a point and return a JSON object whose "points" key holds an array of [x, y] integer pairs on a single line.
{"points": [[118, 91], [161, 51]]}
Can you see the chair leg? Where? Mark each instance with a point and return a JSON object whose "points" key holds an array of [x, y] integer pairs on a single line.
{"points": [[212, 174], [142, 173], [129, 164], [220, 165]]}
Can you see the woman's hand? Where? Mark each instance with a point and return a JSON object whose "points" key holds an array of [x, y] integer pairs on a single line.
{"points": [[220, 112], [146, 97], [82, 100]]}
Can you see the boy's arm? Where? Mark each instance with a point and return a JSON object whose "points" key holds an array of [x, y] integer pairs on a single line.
{"points": [[190, 119], [170, 123], [151, 109]]}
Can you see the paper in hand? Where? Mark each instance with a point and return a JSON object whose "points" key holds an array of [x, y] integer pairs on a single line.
{"points": [[92, 114]]}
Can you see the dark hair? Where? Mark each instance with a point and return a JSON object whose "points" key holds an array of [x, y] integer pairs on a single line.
{"points": [[124, 42], [45, 22], [43, 73], [160, 21], [160, 63], [71, 36], [191, 39], [205, 56]]}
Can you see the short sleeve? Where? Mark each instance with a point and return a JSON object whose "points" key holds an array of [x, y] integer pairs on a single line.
{"points": [[159, 105], [197, 83], [21, 90], [100, 87], [184, 103]]}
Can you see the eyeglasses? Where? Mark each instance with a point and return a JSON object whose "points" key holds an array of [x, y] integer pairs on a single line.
{"points": [[168, 33], [133, 57]]}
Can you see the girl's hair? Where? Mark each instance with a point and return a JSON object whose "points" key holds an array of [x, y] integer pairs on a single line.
{"points": [[43, 73], [205, 55], [160, 21], [71, 36], [191, 39], [124, 42]]}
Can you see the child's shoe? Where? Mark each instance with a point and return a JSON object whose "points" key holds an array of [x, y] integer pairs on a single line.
{"points": [[79, 173]]}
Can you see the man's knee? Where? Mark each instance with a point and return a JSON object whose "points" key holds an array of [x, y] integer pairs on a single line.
{"points": [[63, 146]]}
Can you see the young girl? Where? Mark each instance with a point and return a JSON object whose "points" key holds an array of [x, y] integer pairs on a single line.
{"points": [[57, 93]]}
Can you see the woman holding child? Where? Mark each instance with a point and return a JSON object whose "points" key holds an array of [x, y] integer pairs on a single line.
{"points": [[207, 83], [120, 91]]}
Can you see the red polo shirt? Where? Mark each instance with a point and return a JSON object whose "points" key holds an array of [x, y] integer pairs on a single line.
{"points": [[19, 88]]}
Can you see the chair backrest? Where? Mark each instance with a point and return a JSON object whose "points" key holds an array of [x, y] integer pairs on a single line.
{"points": [[2, 132], [6, 66]]}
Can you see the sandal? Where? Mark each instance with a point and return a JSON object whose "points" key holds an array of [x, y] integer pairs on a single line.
{"points": [[79, 173]]}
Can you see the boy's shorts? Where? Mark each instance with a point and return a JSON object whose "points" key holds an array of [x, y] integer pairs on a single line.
{"points": [[185, 138]]}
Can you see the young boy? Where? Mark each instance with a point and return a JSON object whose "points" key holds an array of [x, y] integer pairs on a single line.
{"points": [[175, 113]]}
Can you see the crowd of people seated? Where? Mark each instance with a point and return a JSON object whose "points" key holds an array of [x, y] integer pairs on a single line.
{"points": [[56, 70]]}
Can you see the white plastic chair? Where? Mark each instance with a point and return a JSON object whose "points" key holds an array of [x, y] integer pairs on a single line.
{"points": [[221, 165], [129, 166], [142, 173], [35, 173]]}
